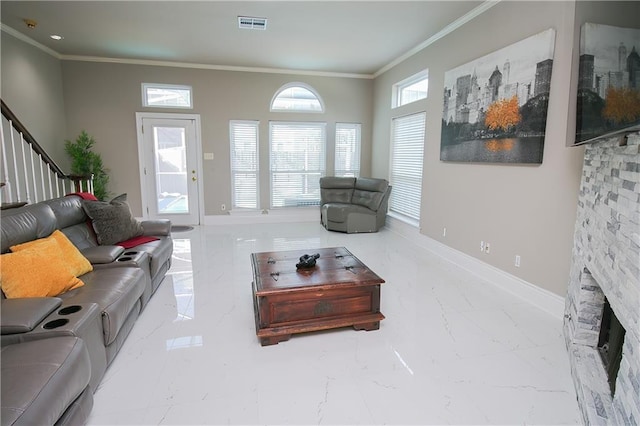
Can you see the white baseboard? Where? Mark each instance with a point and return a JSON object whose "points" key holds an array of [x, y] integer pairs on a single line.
{"points": [[310, 214], [539, 297]]}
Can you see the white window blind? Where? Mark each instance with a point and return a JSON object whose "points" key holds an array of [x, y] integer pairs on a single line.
{"points": [[347, 159], [297, 153], [244, 163], [406, 165]]}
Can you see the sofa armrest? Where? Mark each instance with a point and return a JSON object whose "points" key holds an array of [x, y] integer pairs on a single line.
{"points": [[156, 227], [102, 254], [24, 314]]}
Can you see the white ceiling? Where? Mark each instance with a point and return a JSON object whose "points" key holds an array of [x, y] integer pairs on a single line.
{"points": [[352, 37]]}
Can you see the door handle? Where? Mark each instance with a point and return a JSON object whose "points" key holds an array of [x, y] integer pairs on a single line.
{"points": [[193, 178]]}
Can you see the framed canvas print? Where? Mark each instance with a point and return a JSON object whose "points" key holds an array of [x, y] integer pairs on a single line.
{"points": [[608, 81], [495, 107]]}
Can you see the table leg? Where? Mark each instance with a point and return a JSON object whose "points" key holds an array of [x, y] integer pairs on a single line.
{"points": [[274, 340], [368, 326]]}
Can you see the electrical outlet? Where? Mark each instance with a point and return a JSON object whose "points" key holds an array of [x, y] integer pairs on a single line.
{"points": [[517, 260], [487, 248], [444, 232], [223, 207]]}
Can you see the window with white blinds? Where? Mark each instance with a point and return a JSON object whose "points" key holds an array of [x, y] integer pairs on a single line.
{"points": [[407, 153], [244, 164], [297, 157], [347, 159]]}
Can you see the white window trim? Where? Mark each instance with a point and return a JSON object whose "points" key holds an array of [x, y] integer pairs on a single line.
{"points": [[297, 84], [255, 123], [397, 87], [145, 101]]}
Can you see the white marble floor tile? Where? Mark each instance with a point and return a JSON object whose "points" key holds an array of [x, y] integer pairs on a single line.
{"points": [[453, 349]]}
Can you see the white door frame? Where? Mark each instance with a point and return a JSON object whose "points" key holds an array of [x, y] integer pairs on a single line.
{"points": [[141, 157]]}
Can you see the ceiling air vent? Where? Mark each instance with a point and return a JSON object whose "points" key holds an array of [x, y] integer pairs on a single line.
{"points": [[249, 23]]}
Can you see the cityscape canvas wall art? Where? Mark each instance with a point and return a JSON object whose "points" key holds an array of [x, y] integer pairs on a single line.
{"points": [[608, 81], [495, 107]]}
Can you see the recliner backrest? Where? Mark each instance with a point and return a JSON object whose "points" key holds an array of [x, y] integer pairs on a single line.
{"points": [[68, 210], [369, 192], [336, 189], [26, 223], [72, 221]]}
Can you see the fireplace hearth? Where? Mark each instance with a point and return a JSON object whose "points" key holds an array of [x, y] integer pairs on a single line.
{"points": [[602, 309]]}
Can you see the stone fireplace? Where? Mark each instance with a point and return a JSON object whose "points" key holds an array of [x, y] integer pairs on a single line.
{"points": [[605, 283]]}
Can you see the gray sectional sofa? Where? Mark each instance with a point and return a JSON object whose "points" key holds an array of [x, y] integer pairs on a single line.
{"points": [[352, 205], [78, 333]]}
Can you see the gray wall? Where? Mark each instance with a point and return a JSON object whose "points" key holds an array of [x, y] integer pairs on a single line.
{"points": [[521, 210], [103, 98], [31, 86], [525, 210]]}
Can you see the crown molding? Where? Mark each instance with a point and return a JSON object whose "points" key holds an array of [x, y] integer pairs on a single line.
{"points": [[82, 58], [17, 34], [488, 4], [211, 67]]}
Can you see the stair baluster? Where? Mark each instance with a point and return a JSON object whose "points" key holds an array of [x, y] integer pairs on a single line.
{"points": [[28, 174]]}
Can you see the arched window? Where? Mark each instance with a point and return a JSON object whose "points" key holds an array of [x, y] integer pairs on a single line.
{"points": [[297, 97]]}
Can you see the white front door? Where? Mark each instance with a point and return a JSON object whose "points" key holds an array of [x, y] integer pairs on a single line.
{"points": [[168, 147]]}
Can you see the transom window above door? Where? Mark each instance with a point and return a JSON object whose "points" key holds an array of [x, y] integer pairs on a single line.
{"points": [[297, 97], [167, 96]]}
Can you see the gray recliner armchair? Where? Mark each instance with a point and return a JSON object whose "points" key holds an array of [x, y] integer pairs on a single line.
{"points": [[353, 205]]}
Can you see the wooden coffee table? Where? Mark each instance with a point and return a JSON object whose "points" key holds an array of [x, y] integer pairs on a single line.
{"points": [[339, 291]]}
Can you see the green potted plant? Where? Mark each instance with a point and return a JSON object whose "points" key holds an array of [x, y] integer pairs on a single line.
{"points": [[85, 162]]}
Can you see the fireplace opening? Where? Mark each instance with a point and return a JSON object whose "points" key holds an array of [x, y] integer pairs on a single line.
{"points": [[610, 344]]}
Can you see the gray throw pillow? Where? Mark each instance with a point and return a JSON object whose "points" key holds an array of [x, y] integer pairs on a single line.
{"points": [[122, 198], [112, 221]]}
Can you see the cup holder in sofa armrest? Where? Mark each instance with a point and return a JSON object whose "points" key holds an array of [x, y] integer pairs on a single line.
{"points": [[124, 259], [23, 315], [68, 310], [55, 323], [130, 253]]}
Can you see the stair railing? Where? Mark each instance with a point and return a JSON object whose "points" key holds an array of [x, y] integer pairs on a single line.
{"points": [[28, 174]]}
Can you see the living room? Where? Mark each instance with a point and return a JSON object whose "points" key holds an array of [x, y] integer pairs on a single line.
{"points": [[527, 211]]}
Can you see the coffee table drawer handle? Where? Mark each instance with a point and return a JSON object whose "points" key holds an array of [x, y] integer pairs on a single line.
{"points": [[271, 260], [275, 275], [350, 269]]}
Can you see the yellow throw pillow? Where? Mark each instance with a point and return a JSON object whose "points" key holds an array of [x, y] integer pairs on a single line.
{"points": [[38, 272], [72, 258]]}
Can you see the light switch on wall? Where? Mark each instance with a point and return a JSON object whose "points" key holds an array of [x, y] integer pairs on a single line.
{"points": [[208, 155]]}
